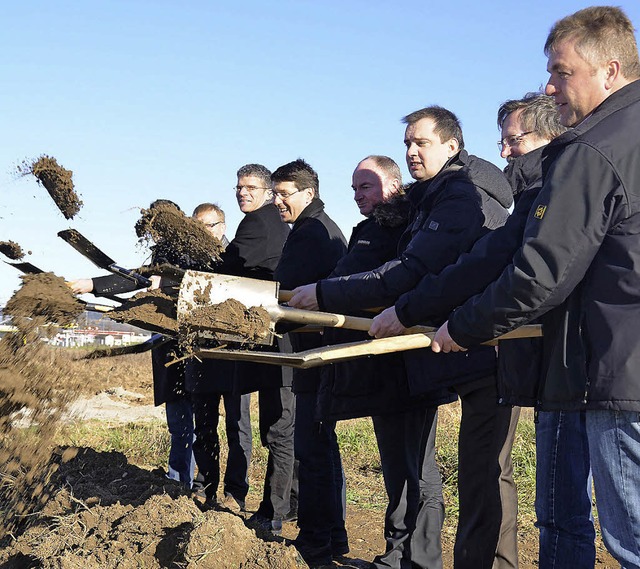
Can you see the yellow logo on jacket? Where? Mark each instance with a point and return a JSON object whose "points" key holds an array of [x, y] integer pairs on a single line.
{"points": [[539, 214]]}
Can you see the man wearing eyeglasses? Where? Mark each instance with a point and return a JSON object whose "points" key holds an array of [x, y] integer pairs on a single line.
{"points": [[254, 252], [214, 220], [311, 252]]}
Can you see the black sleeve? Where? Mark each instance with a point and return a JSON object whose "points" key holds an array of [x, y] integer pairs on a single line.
{"points": [[564, 231], [451, 227], [436, 296]]}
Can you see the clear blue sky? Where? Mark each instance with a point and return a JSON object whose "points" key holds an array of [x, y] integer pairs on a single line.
{"points": [[147, 99]]}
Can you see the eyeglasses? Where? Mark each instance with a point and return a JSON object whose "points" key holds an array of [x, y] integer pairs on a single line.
{"points": [[249, 189], [284, 197], [212, 225], [512, 140]]}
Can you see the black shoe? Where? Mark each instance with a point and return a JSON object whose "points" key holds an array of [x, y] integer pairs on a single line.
{"points": [[259, 522], [339, 550], [292, 516]]}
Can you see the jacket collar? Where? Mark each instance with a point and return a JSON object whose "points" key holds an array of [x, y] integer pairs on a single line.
{"points": [[418, 191], [315, 208], [525, 171]]}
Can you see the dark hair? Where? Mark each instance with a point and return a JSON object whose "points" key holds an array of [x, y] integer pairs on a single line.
{"points": [[386, 164], [447, 125], [207, 207], [601, 33], [300, 173], [161, 201], [538, 113], [257, 170]]}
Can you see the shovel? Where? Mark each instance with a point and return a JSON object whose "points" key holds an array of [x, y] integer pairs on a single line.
{"points": [[201, 289], [81, 244], [349, 351]]}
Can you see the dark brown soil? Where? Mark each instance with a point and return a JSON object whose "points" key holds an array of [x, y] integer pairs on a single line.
{"points": [[151, 310], [11, 249], [47, 296], [56, 180], [228, 317], [179, 240]]}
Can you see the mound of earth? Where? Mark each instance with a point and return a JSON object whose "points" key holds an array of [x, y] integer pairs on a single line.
{"points": [[56, 180], [11, 249], [106, 513], [179, 240]]}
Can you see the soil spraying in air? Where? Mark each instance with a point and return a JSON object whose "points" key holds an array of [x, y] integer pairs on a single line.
{"points": [[45, 295], [179, 240], [151, 310], [56, 180], [11, 249], [228, 317]]}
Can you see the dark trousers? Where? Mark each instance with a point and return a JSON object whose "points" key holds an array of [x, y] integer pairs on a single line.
{"points": [[206, 447], [277, 415], [484, 430], [321, 505], [415, 513]]}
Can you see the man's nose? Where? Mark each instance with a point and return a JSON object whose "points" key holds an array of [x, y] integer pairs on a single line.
{"points": [[550, 89], [505, 152]]}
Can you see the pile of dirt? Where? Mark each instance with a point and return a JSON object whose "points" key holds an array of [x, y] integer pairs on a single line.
{"points": [[108, 513], [11, 249], [56, 180], [179, 240], [47, 296], [151, 310], [228, 317]]}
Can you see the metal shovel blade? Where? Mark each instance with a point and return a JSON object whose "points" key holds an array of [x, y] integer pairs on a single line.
{"points": [[201, 289]]}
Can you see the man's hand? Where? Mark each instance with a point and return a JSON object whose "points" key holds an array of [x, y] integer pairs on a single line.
{"points": [[305, 297], [386, 324], [156, 282], [80, 286], [443, 342]]}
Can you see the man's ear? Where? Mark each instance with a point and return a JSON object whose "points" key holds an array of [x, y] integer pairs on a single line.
{"points": [[453, 146], [612, 74]]}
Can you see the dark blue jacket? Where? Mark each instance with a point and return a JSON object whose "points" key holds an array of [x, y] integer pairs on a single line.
{"points": [[467, 198]]}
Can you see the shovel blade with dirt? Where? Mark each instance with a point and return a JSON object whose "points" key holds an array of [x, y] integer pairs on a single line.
{"points": [[200, 290]]}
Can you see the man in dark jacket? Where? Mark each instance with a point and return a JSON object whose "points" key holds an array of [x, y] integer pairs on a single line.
{"points": [[578, 262], [455, 200], [311, 251], [564, 517], [254, 252], [377, 386]]}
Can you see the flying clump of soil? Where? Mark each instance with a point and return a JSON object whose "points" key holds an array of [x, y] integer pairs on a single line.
{"points": [[56, 180], [11, 249], [151, 310], [179, 240], [47, 296]]}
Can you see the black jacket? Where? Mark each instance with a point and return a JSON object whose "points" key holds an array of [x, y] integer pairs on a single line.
{"points": [[374, 385], [310, 253], [254, 252], [449, 213], [256, 248], [519, 361], [580, 262]]}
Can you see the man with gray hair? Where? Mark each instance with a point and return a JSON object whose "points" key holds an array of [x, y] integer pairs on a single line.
{"points": [[579, 262]]}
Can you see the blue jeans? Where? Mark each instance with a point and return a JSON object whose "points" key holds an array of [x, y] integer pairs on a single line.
{"points": [[614, 444], [563, 491], [180, 423]]}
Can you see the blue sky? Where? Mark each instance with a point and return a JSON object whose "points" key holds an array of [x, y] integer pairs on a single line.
{"points": [[163, 99]]}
